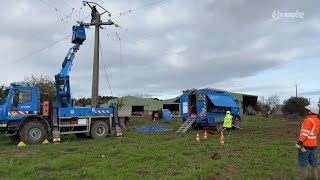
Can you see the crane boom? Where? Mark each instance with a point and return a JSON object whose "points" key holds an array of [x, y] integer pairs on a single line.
{"points": [[67, 63], [62, 79]]}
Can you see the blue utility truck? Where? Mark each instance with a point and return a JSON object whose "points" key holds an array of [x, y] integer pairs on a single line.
{"points": [[207, 109], [24, 117]]}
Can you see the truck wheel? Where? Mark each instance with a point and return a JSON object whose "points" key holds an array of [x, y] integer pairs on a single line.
{"points": [[99, 129], [33, 133], [236, 122]]}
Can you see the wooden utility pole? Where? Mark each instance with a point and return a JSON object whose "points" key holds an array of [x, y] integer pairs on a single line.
{"points": [[97, 23], [296, 85]]}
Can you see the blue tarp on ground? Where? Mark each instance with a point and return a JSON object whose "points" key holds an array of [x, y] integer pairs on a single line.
{"points": [[152, 128]]}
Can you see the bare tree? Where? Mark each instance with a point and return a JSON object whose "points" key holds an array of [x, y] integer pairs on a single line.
{"points": [[262, 100], [119, 103], [273, 101]]}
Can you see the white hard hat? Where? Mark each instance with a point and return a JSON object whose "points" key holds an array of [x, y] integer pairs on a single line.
{"points": [[313, 109], [228, 112]]}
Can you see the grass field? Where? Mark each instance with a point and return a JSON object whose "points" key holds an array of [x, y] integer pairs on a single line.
{"points": [[263, 150]]}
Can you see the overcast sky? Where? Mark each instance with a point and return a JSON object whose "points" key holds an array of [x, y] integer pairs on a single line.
{"points": [[170, 45]]}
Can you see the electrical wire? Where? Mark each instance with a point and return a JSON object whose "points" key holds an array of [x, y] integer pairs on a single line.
{"points": [[43, 48], [105, 70], [159, 51], [64, 24], [67, 17], [137, 8], [120, 14], [56, 9], [79, 11], [120, 42], [65, 20], [155, 47], [131, 10], [120, 54]]}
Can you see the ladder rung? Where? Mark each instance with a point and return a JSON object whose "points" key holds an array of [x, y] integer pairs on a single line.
{"points": [[186, 125]]}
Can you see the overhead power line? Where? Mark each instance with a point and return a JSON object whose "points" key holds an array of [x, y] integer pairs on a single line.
{"points": [[57, 10], [63, 20], [41, 49], [134, 9], [66, 17], [105, 70], [137, 8], [157, 49], [78, 11]]}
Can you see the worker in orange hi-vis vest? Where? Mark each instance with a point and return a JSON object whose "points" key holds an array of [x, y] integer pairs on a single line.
{"points": [[307, 144], [156, 115]]}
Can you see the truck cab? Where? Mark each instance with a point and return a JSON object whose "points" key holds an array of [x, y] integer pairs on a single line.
{"points": [[17, 102]]}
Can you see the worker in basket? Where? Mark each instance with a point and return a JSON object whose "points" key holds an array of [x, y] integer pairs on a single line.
{"points": [[227, 122]]}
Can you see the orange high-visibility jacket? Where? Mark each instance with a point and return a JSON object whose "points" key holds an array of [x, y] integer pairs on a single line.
{"points": [[309, 131]]}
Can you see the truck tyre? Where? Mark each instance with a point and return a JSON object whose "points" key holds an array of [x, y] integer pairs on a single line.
{"points": [[99, 129], [33, 133], [236, 122]]}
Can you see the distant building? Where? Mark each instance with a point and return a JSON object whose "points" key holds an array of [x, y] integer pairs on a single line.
{"points": [[245, 102], [136, 106]]}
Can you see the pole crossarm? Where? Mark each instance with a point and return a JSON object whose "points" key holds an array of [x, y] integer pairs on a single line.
{"points": [[97, 23]]}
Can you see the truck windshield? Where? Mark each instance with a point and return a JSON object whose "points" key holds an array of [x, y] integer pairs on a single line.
{"points": [[4, 96]]}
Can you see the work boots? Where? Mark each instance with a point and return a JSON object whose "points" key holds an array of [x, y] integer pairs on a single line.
{"points": [[303, 173], [315, 173]]}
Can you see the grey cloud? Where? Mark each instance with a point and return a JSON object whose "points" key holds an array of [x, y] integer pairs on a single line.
{"points": [[310, 93], [218, 41]]}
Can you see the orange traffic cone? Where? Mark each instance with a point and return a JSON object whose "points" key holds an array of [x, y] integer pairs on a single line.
{"points": [[221, 138], [205, 135], [198, 138]]}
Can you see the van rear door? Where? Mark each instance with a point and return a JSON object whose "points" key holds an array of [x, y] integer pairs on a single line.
{"points": [[184, 105]]}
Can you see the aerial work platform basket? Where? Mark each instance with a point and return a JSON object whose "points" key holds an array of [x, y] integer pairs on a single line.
{"points": [[78, 34]]}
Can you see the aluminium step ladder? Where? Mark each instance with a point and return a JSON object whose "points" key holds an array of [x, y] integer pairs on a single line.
{"points": [[186, 125]]}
